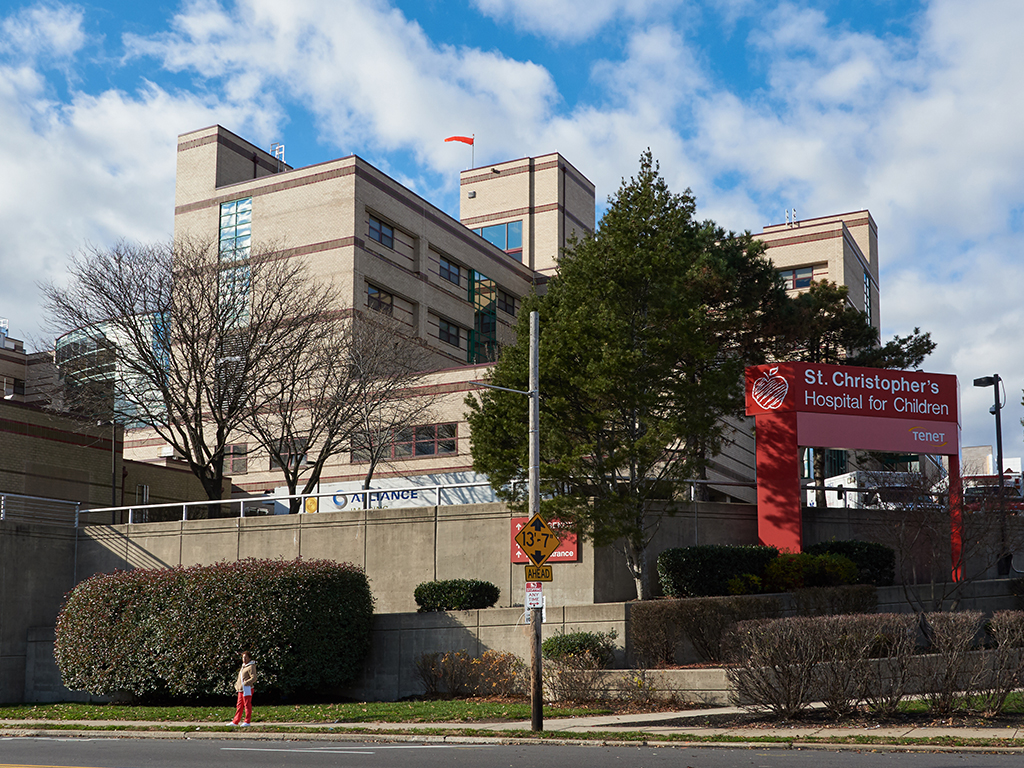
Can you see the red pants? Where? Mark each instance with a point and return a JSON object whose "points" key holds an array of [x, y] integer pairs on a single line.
{"points": [[244, 706]]}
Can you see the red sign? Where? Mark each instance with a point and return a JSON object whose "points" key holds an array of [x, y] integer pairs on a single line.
{"points": [[566, 552], [847, 391], [832, 406]]}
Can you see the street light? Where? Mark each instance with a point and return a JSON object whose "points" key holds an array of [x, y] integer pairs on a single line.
{"points": [[994, 382]]}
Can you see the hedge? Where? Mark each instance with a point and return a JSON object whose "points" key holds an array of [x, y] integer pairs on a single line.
{"points": [[177, 633], [876, 563], [455, 595], [599, 646], [705, 569], [789, 572]]}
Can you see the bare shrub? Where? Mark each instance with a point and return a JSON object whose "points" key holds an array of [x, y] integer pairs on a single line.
{"points": [[707, 621], [574, 677], [953, 670], [1005, 663], [775, 664], [450, 673], [638, 686], [429, 673], [887, 674], [456, 673], [847, 643], [500, 673], [654, 632]]}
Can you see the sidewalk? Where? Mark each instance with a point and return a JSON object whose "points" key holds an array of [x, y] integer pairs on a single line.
{"points": [[666, 728]]}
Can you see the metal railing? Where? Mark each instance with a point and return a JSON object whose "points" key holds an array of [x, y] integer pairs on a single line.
{"points": [[259, 506], [15, 507], [374, 498]]}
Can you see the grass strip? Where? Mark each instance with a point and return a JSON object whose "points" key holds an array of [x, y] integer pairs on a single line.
{"points": [[453, 711]]}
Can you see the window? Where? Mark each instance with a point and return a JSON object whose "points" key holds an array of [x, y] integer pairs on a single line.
{"points": [[450, 272], [236, 230], [382, 233], [797, 278], [379, 300], [233, 295], [450, 333], [293, 451], [413, 442], [867, 295], [508, 237], [506, 302], [236, 460]]}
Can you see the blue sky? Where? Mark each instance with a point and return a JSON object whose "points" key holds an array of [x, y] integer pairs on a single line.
{"points": [[910, 109]]}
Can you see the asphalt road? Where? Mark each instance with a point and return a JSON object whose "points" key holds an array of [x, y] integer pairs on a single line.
{"points": [[246, 753]]}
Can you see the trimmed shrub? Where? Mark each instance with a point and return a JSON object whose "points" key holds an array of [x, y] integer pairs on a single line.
{"points": [[657, 626], [705, 569], [1005, 662], [955, 672], [876, 563], [599, 646], [784, 664], [789, 572], [775, 664], [456, 595], [887, 677], [178, 632]]}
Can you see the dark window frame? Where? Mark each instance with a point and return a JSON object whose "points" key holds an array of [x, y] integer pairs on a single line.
{"points": [[447, 330], [450, 271], [382, 233], [380, 300]]}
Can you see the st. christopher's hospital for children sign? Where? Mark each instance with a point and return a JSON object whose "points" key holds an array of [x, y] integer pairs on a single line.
{"points": [[832, 406]]}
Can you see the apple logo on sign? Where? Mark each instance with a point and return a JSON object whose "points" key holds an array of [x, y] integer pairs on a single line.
{"points": [[770, 390]]}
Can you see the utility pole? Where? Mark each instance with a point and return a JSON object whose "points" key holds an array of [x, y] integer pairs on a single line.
{"points": [[536, 679]]}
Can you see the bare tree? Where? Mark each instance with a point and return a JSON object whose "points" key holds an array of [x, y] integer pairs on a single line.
{"points": [[186, 340], [390, 405], [353, 372]]}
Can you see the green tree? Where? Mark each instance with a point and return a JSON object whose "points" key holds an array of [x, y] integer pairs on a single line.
{"points": [[645, 332]]}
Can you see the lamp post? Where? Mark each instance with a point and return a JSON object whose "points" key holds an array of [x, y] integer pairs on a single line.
{"points": [[993, 381]]}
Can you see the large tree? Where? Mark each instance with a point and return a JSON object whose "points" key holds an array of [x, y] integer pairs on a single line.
{"points": [[354, 378], [189, 340], [645, 332]]}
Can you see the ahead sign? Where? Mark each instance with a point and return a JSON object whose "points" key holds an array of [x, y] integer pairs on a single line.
{"points": [[537, 540]]}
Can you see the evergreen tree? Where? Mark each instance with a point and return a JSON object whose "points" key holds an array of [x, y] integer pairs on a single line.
{"points": [[645, 332]]}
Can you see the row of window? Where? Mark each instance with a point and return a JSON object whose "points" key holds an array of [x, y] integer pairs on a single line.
{"points": [[453, 273], [508, 237], [407, 443]]}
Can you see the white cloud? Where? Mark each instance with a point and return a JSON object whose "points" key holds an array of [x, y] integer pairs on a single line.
{"points": [[573, 20], [371, 76], [46, 32]]}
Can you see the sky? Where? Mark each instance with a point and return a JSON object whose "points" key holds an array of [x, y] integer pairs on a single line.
{"points": [[913, 110]]}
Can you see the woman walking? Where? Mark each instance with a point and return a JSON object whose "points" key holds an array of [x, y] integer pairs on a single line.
{"points": [[243, 685]]}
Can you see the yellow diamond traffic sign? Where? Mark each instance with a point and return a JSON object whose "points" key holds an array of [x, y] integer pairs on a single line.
{"points": [[537, 540]]}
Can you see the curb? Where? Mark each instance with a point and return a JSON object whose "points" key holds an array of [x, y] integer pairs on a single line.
{"points": [[378, 736]]}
